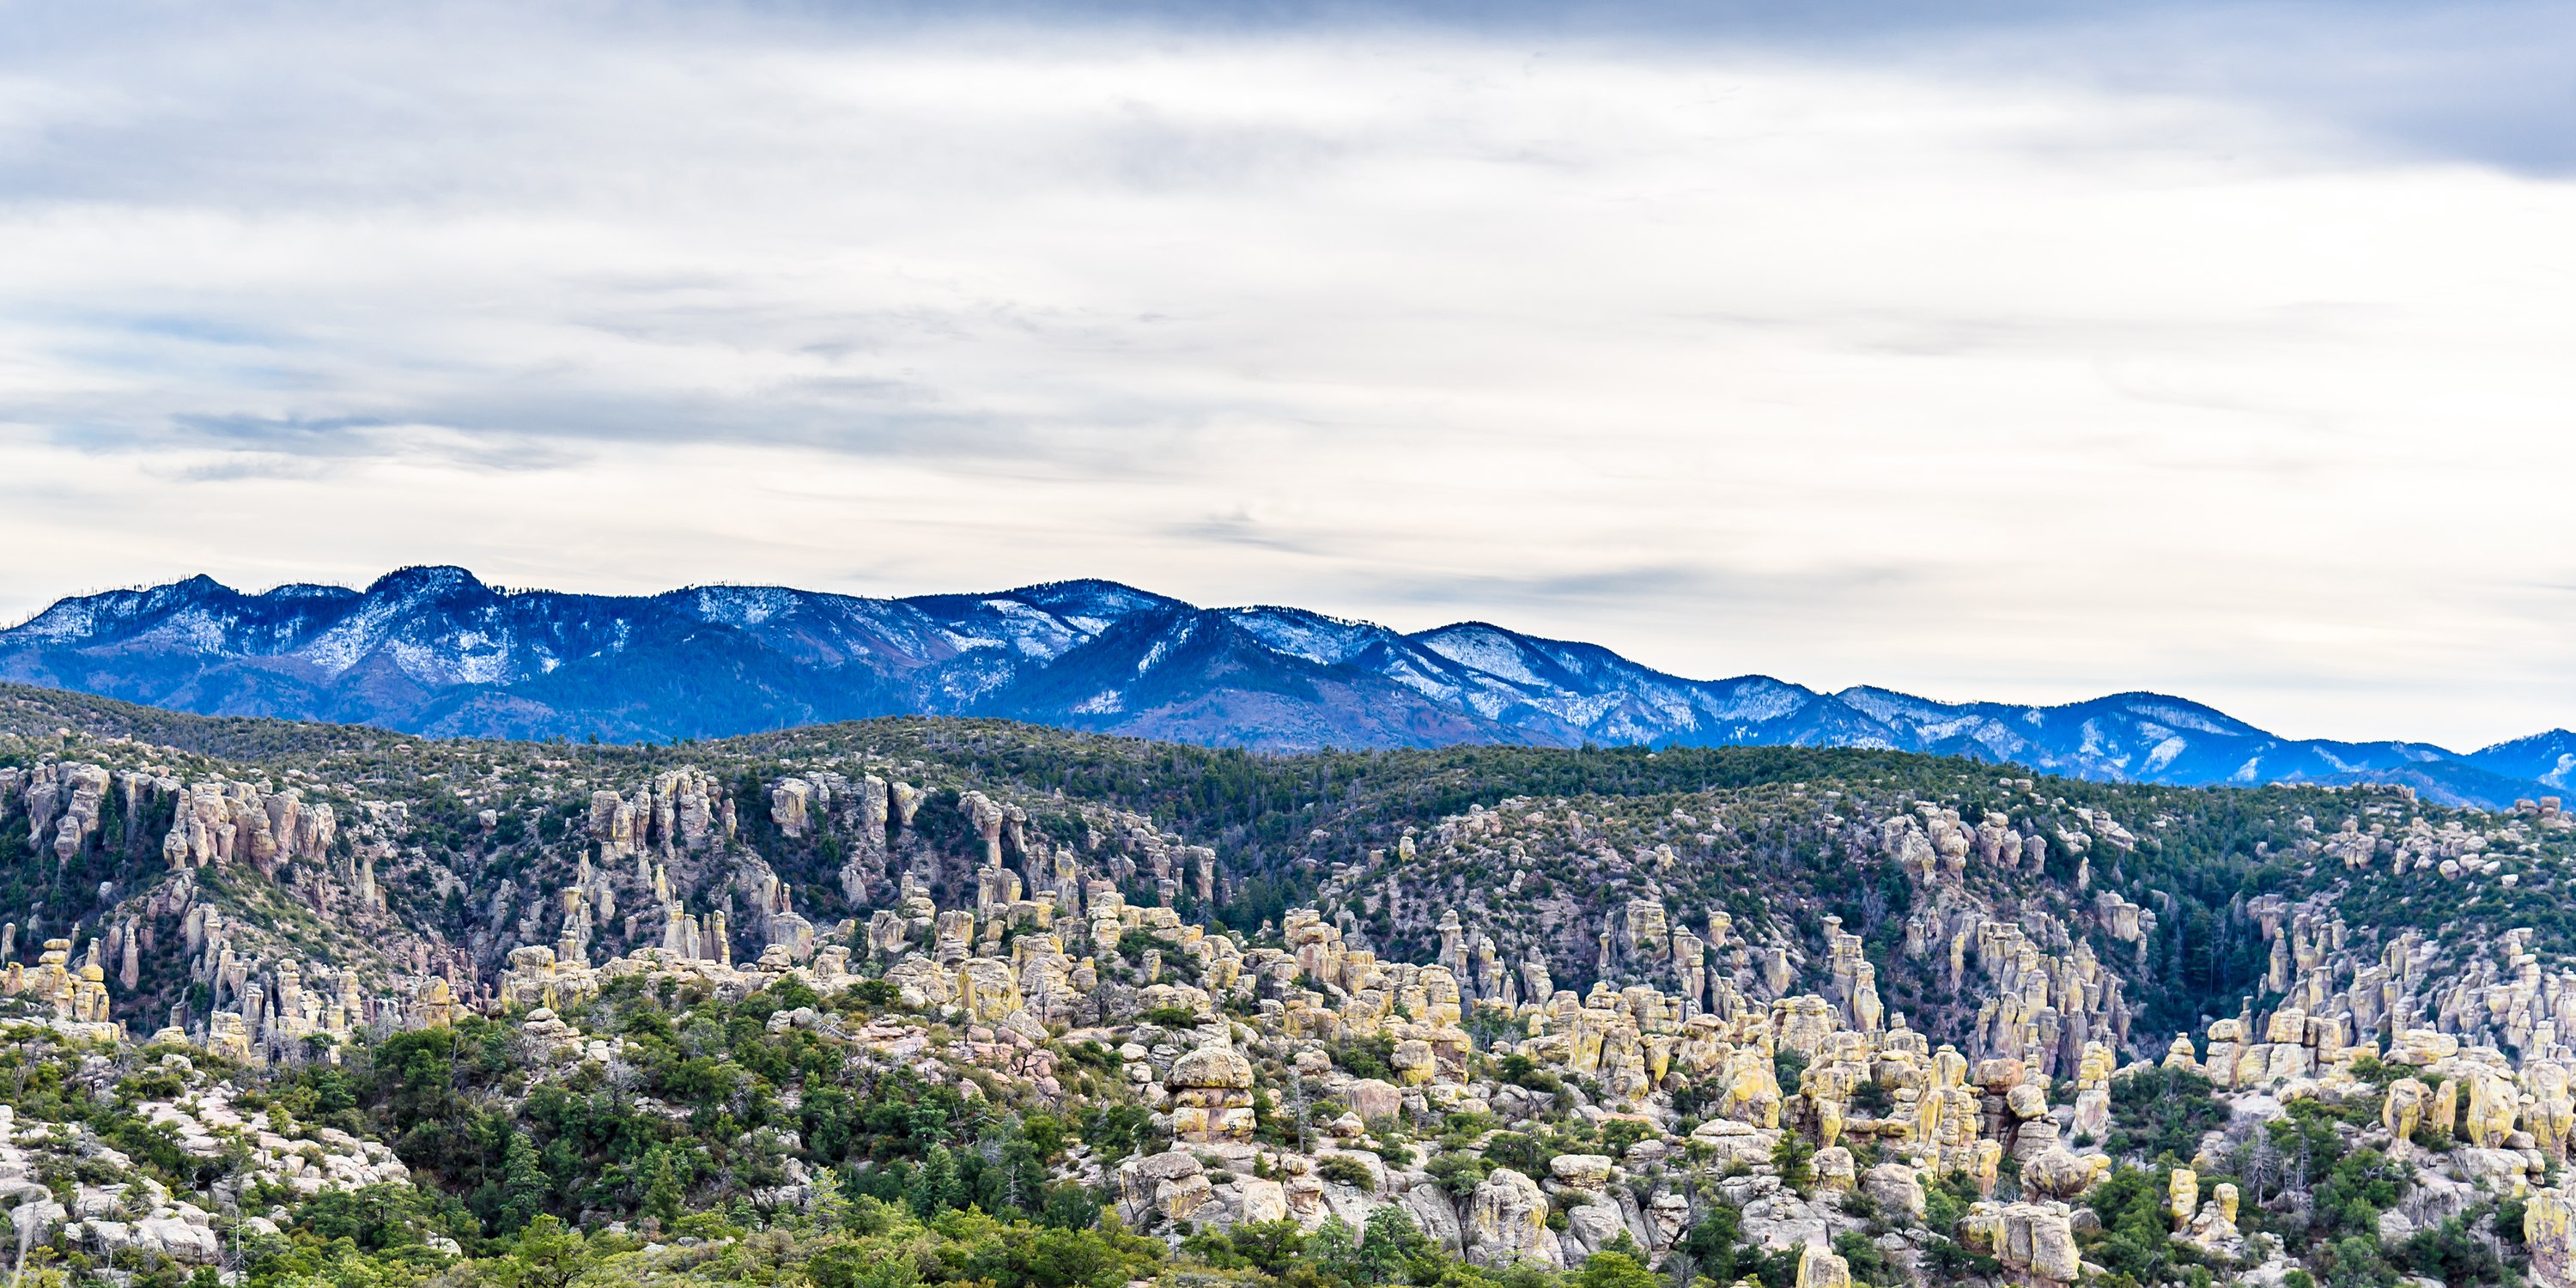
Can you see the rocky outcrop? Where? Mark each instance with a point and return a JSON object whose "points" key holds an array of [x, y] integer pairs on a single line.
{"points": [[1507, 1223], [1211, 1095], [1818, 1268], [2032, 1240], [2549, 1230]]}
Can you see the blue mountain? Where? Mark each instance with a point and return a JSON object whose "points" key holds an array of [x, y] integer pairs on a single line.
{"points": [[435, 651]]}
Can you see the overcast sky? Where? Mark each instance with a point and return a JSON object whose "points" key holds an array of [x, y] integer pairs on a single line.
{"points": [[2023, 354]]}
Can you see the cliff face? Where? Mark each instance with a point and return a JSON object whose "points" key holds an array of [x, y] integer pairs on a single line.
{"points": [[1621, 990], [2015, 916], [435, 651]]}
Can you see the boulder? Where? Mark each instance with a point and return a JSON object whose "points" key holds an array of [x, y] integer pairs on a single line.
{"points": [[1581, 1171], [36, 1219], [1507, 1223], [1211, 1095], [1818, 1268], [2213, 1232], [1436, 1217], [2549, 1230], [1591, 1227], [1259, 1200], [1181, 1197], [2059, 1174], [1835, 1170], [1897, 1190], [1372, 1099], [1141, 1181], [2026, 1102], [2505, 1171], [2053, 1253], [2494, 1105], [2403, 1111], [178, 1239], [1414, 1062], [2034, 1241]]}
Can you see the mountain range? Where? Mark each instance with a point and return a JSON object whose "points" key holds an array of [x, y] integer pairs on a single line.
{"points": [[434, 650]]}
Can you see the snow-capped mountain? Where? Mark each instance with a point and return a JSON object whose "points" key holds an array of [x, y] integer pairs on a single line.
{"points": [[2546, 758], [436, 651]]}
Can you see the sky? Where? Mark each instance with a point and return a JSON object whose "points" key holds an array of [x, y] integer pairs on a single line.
{"points": [[2016, 352]]}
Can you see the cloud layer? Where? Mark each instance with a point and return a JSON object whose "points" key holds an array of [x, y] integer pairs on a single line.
{"points": [[1995, 359]]}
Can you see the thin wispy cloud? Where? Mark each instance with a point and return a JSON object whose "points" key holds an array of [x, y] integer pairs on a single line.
{"points": [[2014, 352]]}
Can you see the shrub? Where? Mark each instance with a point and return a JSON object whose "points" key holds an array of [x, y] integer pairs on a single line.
{"points": [[1527, 1155], [1524, 1072], [1369, 1057], [1619, 1133], [1459, 1174], [1794, 1159], [2155, 1112]]}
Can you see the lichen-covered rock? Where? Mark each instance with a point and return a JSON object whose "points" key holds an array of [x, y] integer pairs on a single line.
{"points": [[1818, 1268], [2494, 1105], [1507, 1223], [2036, 1240], [1211, 1095], [1149, 1186], [1581, 1171], [2053, 1252], [2213, 1231], [2549, 1230], [2061, 1174], [1261, 1200], [1181, 1197], [2403, 1110], [1897, 1189], [1836, 1172]]}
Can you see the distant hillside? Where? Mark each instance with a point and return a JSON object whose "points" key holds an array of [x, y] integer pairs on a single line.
{"points": [[435, 651]]}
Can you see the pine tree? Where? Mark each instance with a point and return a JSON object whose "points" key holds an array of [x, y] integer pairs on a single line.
{"points": [[662, 1188], [523, 1183], [936, 1186]]}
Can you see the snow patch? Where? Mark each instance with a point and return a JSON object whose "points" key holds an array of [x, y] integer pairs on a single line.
{"points": [[1328, 641], [1485, 648]]}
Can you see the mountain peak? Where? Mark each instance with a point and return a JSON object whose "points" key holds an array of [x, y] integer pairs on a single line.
{"points": [[431, 649], [423, 581]]}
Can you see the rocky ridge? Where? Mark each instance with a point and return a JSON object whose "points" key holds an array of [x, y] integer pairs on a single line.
{"points": [[434, 650], [1910, 1008]]}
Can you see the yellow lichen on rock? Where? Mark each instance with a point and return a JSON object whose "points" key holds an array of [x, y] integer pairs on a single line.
{"points": [[1818, 1268]]}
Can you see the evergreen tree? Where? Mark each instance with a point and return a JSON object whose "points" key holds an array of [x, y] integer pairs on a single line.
{"points": [[523, 1183], [936, 1185], [662, 1187]]}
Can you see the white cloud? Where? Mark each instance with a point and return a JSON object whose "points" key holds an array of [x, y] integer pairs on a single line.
{"points": [[1731, 359]]}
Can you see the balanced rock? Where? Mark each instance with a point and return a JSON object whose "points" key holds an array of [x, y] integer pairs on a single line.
{"points": [[1211, 1095]]}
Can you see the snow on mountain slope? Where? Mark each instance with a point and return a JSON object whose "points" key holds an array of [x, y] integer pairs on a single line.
{"points": [[435, 650], [1313, 636], [2547, 758]]}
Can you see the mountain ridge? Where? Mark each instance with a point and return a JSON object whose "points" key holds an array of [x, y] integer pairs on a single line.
{"points": [[434, 650]]}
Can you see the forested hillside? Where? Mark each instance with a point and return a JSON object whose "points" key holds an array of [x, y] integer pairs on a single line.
{"points": [[917, 1000]]}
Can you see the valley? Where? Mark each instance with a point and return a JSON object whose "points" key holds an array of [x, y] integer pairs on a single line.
{"points": [[765, 1005]]}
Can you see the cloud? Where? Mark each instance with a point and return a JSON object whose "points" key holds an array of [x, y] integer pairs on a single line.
{"points": [[2001, 351]]}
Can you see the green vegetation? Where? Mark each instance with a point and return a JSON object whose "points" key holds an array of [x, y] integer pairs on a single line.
{"points": [[2162, 1113]]}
